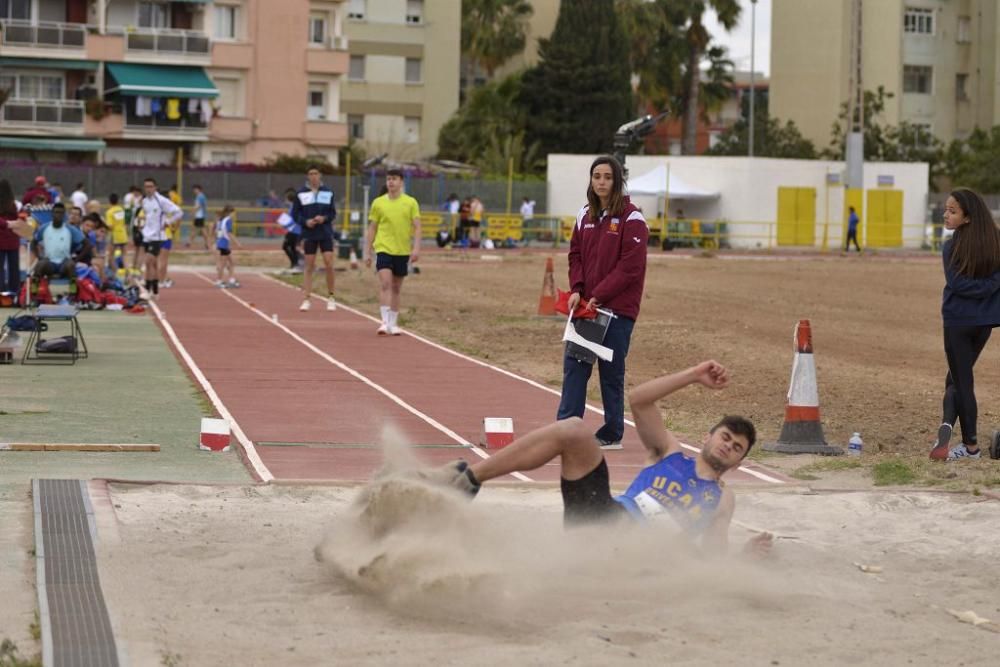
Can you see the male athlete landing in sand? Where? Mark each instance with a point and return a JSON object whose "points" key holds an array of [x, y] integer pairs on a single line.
{"points": [[689, 489]]}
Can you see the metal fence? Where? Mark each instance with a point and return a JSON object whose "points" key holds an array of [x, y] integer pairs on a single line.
{"points": [[250, 188]]}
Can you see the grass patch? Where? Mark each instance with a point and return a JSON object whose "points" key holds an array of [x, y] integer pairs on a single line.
{"points": [[10, 657], [891, 473], [830, 464], [36, 628]]}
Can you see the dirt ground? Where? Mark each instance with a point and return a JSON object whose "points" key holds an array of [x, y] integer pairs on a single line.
{"points": [[876, 334]]}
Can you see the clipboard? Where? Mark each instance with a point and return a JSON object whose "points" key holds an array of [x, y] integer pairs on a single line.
{"points": [[584, 338]]}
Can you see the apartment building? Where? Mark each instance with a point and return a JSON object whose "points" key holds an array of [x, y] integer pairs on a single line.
{"points": [[939, 59], [402, 83], [136, 80]]}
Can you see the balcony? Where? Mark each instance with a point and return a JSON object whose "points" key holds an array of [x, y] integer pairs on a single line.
{"points": [[325, 133], [189, 127], [55, 116], [165, 44], [17, 34]]}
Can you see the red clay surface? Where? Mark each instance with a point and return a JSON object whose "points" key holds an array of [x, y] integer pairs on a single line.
{"points": [[280, 391]]}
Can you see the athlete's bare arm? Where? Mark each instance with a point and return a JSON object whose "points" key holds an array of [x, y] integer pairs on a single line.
{"points": [[649, 422]]}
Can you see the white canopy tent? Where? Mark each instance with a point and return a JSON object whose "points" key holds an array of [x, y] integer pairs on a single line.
{"points": [[655, 183]]}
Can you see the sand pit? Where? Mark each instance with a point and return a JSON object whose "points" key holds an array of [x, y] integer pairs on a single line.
{"points": [[210, 576]]}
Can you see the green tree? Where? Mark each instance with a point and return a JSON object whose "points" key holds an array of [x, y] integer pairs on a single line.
{"points": [[771, 139], [580, 91], [493, 31], [697, 39], [492, 109], [973, 162]]}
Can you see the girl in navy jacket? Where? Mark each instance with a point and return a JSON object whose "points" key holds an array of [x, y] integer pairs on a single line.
{"points": [[970, 308]]}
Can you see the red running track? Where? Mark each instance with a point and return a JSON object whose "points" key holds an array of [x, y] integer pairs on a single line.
{"points": [[324, 407]]}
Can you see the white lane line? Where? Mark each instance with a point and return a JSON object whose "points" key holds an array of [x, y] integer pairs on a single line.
{"points": [[251, 452], [750, 471], [350, 371]]}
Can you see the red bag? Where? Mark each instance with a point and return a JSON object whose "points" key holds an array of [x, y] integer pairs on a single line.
{"points": [[86, 291], [110, 297], [43, 295], [581, 312]]}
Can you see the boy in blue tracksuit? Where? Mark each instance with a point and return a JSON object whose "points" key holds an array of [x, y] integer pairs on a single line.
{"points": [[293, 232], [314, 211]]}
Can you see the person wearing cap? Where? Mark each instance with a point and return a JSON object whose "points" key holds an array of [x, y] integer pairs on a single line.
{"points": [[38, 189]]}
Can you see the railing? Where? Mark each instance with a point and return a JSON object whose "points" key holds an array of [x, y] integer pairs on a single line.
{"points": [[186, 123], [20, 32], [43, 112], [164, 40]]}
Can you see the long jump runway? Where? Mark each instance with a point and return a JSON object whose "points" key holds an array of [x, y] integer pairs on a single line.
{"points": [[312, 391]]}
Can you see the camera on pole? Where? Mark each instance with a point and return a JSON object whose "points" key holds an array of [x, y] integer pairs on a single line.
{"points": [[631, 133]]}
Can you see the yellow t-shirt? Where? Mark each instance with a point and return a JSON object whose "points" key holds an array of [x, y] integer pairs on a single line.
{"points": [[395, 223], [115, 216]]}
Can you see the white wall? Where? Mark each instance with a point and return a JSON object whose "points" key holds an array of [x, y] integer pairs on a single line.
{"points": [[748, 190]]}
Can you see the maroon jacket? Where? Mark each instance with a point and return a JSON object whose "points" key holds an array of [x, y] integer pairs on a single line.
{"points": [[607, 259], [33, 191], [8, 239]]}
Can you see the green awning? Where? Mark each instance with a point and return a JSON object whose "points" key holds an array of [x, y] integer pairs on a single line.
{"points": [[48, 63], [160, 81], [52, 144]]}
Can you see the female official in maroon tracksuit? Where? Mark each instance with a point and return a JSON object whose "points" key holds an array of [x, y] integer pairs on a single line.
{"points": [[607, 269]]}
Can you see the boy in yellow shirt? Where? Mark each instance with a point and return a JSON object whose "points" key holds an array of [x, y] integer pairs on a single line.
{"points": [[115, 217], [394, 237]]}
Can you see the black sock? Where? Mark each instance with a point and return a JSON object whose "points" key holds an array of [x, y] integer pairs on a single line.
{"points": [[156, 286], [149, 284]]}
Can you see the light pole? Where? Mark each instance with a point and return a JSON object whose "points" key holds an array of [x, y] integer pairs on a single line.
{"points": [[753, 91]]}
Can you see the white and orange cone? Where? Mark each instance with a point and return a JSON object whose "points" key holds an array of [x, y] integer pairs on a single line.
{"points": [[802, 432]]}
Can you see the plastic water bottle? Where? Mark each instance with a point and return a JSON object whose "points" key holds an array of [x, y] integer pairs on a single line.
{"points": [[854, 445]]}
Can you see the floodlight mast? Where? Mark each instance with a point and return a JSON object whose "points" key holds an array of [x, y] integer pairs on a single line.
{"points": [[631, 132]]}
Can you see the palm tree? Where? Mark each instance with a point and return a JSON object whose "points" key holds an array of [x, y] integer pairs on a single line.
{"points": [[697, 38], [493, 31]]}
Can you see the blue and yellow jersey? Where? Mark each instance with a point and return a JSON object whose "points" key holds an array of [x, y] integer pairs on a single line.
{"points": [[671, 485]]}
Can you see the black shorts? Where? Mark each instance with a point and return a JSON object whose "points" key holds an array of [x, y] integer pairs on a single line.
{"points": [[588, 499], [152, 247], [398, 264], [309, 246], [199, 223], [225, 252], [137, 236]]}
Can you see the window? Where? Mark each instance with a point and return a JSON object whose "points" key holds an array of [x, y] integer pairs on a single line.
{"points": [[961, 91], [413, 74], [414, 11], [153, 15], [317, 29], [357, 69], [918, 21], [230, 97], [917, 79], [32, 86], [964, 33], [356, 10], [227, 21], [316, 103], [15, 9], [411, 130], [356, 126]]}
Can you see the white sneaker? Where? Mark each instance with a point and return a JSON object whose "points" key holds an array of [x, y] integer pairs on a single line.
{"points": [[233, 283], [395, 331], [331, 304], [382, 330], [306, 305]]}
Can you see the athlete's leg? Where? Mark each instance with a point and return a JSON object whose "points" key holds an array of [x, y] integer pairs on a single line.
{"points": [[568, 439]]}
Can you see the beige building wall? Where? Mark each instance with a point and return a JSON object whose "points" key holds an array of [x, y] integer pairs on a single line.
{"points": [[810, 55], [404, 77], [541, 25]]}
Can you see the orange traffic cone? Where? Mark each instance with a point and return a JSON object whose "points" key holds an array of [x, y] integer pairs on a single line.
{"points": [[547, 301], [802, 432]]}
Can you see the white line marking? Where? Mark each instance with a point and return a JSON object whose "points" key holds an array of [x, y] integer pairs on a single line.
{"points": [[251, 452], [750, 471], [350, 371]]}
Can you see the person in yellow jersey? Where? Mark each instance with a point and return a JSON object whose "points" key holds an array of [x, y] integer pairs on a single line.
{"points": [[118, 248], [394, 238]]}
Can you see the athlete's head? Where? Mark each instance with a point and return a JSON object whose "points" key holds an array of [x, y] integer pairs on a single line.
{"points": [[976, 245], [607, 187], [313, 175], [149, 187], [728, 443], [394, 181]]}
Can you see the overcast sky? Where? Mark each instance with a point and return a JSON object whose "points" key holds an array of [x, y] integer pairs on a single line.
{"points": [[738, 41]]}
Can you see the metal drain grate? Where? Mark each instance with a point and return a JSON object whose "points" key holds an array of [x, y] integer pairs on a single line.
{"points": [[76, 630]]}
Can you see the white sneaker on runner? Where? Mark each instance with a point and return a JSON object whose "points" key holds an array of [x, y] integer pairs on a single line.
{"points": [[382, 330], [331, 304], [306, 305], [959, 453], [395, 331]]}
